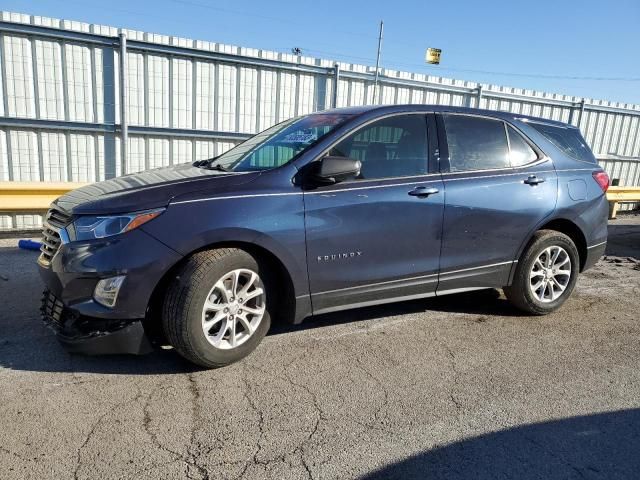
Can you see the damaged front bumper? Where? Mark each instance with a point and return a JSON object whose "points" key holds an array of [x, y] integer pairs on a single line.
{"points": [[93, 336]]}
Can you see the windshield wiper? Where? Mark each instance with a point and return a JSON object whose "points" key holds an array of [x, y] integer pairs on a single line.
{"points": [[219, 167], [208, 164]]}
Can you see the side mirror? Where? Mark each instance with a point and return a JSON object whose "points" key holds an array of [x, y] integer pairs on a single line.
{"points": [[331, 170]]}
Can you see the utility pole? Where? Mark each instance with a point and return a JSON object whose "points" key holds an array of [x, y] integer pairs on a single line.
{"points": [[124, 124], [336, 86], [375, 82]]}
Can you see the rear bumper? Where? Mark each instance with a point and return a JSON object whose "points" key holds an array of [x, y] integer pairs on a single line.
{"points": [[594, 253], [93, 336]]}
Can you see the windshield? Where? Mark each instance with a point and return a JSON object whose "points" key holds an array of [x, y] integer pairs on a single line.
{"points": [[279, 144]]}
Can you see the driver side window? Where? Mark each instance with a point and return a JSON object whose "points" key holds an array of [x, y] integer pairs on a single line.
{"points": [[390, 147]]}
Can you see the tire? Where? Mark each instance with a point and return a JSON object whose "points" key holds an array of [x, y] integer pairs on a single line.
{"points": [[208, 276], [545, 299]]}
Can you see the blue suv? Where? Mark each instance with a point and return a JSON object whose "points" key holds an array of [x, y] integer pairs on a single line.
{"points": [[329, 211]]}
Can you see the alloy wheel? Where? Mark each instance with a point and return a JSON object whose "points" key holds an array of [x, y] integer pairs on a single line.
{"points": [[550, 274], [233, 309]]}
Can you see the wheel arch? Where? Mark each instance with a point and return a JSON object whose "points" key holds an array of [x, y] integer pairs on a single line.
{"points": [[565, 226], [286, 302], [574, 232]]}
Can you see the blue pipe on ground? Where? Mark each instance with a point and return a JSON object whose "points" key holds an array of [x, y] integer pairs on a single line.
{"points": [[29, 245]]}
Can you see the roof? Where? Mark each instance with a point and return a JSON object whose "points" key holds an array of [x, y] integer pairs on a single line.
{"points": [[358, 110]]}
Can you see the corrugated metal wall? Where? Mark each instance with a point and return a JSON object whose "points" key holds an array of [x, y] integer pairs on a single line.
{"points": [[187, 99], [626, 170]]}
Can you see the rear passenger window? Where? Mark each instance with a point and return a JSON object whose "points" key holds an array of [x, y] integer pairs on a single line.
{"points": [[476, 143], [521, 152]]}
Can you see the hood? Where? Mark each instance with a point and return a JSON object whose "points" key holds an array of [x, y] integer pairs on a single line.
{"points": [[147, 190]]}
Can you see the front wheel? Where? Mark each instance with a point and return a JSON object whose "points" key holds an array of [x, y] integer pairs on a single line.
{"points": [[216, 311], [546, 274]]}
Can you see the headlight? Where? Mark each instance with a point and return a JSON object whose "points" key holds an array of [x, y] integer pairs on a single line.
{"points": [[89, 227]]}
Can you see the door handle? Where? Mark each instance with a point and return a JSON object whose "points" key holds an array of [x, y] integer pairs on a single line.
{"points": [[533, 180], [422, 192]]}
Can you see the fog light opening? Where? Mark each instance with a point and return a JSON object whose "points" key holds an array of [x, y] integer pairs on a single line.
{"points": [[106, 291]]}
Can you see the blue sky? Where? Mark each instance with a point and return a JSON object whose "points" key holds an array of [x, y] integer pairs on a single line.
{"points": [[534, 41]]}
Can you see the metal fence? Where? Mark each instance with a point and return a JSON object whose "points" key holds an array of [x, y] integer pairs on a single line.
{"points": [[85, 102]]}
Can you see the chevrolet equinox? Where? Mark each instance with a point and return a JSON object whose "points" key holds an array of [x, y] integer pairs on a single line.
{"points": [[329, 211]]}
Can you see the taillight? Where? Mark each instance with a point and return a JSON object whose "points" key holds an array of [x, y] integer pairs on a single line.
{"points": [[601, 179]]}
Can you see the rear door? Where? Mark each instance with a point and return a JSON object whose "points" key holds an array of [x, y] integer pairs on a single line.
{"points": [[498, 187], [377, 238]]}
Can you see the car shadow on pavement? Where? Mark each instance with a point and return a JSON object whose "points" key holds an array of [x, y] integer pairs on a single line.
{"points": [[52, 357], [604, 445], [16, 352], [481, 303], [623, 240], [27, 345]]}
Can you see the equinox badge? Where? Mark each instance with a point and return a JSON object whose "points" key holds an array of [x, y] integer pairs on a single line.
{"points": [[338, 256]]}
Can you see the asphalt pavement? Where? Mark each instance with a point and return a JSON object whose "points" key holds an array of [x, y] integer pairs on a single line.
{"points": [[457, 387]]}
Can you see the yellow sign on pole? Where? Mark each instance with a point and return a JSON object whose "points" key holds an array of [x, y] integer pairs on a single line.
{"points": [[433, 56]]}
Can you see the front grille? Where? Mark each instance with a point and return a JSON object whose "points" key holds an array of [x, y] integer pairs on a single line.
{"points": [[57, 217], [55, 220], [52, 310]]}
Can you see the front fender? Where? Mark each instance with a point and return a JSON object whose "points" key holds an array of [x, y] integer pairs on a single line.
{"points": [[274, 223]]}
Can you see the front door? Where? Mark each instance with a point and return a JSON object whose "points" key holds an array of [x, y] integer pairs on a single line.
{"points": [[377, 238], [498, 189]]}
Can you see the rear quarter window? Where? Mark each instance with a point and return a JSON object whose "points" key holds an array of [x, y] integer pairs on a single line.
{"points": [[567, 139], [520, 152]]}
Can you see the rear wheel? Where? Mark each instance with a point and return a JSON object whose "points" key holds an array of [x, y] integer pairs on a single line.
{"points": [[546, 274], [216, 311]]}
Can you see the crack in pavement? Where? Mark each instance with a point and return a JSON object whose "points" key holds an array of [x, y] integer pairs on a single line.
{"points": [[17, 455], [383, 387], [196, 416], [260, 413], [146, 425], [320, 418], [552, 454], [255, 459], [299, 449], [94, 428], [453, 386], [136, 474], [190, 460], [454, 383]]}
